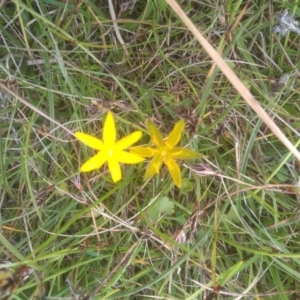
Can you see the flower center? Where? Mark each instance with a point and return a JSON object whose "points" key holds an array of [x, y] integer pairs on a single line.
{"points": [[110, 152], [163, 153]]}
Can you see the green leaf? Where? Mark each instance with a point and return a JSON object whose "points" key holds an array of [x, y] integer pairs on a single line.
{"points": [[283, 175], [162, 205], [187, 186]]}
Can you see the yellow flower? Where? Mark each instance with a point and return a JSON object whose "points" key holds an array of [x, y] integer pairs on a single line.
{"points": [[110, 151], [165, 152]]}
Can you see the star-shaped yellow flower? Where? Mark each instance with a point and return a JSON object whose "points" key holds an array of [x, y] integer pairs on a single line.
{"points": [[110, 151], [165, 151]]}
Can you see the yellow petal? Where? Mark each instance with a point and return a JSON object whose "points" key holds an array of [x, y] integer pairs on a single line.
{"points": [[109, 131], [174, 171], [114, 169], [128, 140], [153, 167], [128, 158], [175, 135], [95, 162], [89, 140], [182, 153], [155, 135], [144, 151]]}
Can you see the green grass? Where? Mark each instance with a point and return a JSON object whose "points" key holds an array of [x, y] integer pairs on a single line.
{"points": [[62, 67]]}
